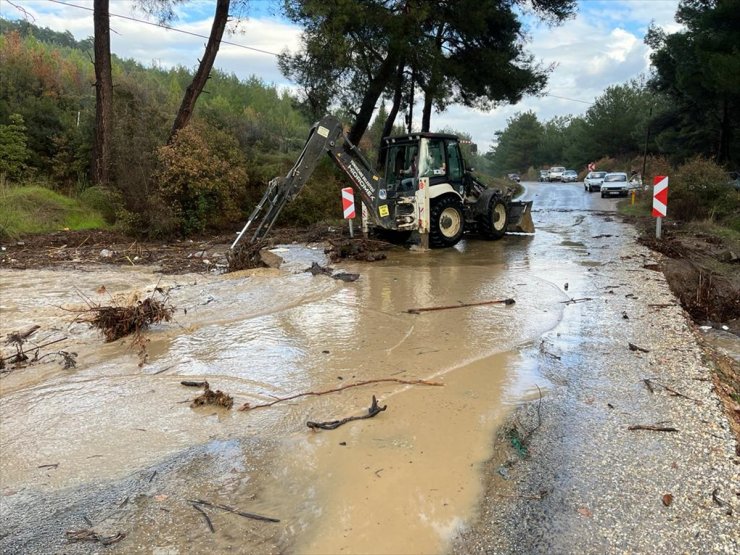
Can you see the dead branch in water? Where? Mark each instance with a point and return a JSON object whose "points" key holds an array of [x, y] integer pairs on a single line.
{"points": [[247, 406], [232, 510], [210, 397], [334, 424], [117, 321], [461, 305]]}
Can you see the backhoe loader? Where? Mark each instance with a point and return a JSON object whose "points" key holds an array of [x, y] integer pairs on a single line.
{"points": [[427, 193]]}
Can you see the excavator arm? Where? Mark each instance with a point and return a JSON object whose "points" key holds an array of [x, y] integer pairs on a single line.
{"points": [[326, 137]]}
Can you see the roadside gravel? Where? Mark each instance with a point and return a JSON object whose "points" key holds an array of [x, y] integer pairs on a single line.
{"points": [[589, 484]]}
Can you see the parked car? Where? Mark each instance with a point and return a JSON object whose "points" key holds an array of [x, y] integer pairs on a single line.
{"points": [[615, 183], [514, 177], [556, 173], [544, 175], [569, 176], [593, 181]]}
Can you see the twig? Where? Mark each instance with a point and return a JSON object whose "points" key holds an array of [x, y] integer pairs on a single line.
{"points": [[247, 406], [670, 390], [634, 347], [90, 536], [652, 428], [334, 424], [36, 348], [194, 384], [232, 510], [663, 305], [648, 385], [208, 520], [461, 305], [54, 465], [574, 301]]}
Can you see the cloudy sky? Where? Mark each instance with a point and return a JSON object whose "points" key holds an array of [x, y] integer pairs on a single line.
{"points": [[601, 46]]}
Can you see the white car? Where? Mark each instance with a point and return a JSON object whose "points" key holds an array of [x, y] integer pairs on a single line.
{"points": [[593, 181], [569, 176], [556, 173], [615, 183]]}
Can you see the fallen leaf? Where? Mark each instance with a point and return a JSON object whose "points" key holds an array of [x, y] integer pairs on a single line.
{"points": [[674, 465], [584, 511], [667, 499], [160, 498], [101, 290]]}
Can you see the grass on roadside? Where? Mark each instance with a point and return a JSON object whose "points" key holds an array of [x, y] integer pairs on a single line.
{"points": [[34, 209]]}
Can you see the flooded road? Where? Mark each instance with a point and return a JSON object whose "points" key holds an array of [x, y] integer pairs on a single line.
{"points": [[130, 452]]}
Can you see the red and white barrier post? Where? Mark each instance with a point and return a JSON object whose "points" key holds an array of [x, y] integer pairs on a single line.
{"points": [[348, 206], [660, 201]]}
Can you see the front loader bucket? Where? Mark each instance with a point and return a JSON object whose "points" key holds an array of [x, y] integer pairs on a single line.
{"points": [[520, 217]]}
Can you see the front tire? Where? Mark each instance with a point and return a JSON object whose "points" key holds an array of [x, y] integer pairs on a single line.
{"points": [[492, 225], [447, 222]]}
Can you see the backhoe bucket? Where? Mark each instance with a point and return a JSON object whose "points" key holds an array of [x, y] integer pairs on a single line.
{"points": [[520, 217]]}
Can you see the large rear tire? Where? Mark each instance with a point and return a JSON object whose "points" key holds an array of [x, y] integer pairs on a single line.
{"points": [[492, 225], [447, 222]]}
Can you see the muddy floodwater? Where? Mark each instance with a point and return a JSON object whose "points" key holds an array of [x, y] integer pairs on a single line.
{"points": [[113, 444]]}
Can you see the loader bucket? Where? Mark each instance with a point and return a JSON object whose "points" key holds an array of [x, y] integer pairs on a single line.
{"points": [[520, 217]]}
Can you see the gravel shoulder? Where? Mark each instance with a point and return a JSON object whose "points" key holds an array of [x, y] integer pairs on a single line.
{"points": [[588, 483]]}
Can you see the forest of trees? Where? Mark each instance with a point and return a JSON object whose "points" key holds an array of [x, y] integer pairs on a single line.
{"points": [[689, 105], [175, 151]]}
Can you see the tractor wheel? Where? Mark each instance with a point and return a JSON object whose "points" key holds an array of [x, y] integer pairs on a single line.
{"points": [[492, 225], [447, 222]]}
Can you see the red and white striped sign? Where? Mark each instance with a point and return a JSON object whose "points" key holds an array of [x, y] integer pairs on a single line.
{"points": [[348, 203], [660, 196]]}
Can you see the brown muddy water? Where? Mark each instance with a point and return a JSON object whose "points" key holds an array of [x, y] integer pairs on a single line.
{"points": [[402, 482], [128, 444]]}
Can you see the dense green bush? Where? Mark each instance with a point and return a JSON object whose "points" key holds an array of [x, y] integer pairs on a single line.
{"points": [[13, 148], [699, 190], [202, 175]]}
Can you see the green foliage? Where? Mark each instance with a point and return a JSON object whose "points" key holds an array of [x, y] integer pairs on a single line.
{"points": [[203, 175], [517, 143], [13, 148], [35, 209], [698, 68], [698, 190]]}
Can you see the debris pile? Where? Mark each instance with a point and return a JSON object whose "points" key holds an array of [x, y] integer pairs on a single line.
{"points": [[210, 397], [120, 321], [363, 249], [245, 256]]}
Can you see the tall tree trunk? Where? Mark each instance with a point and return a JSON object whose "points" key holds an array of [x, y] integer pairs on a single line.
{"points": [[374, 90], [103, 94], [426, 115], [391, 119], [725, 134], [204, 69]]}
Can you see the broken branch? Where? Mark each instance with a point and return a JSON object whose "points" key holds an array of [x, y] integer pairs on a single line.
{"points": [[334, 424], [208, 520], [652, 428], [247, 406], [232, 510], [461, 305]]}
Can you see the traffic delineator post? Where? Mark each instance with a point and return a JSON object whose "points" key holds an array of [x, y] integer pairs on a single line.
{"points": [[348, 207], [660, 201]]}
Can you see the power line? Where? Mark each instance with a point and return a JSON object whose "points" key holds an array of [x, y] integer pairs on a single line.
{"points": [[167, 27], [566, 98]]}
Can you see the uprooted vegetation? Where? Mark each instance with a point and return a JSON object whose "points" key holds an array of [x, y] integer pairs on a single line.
{"points": [[130, 318]]}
